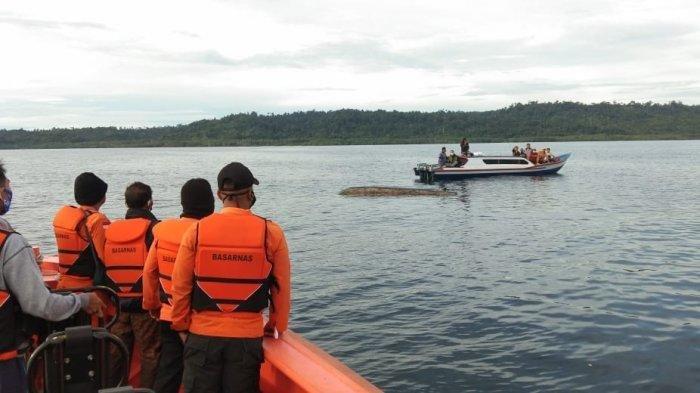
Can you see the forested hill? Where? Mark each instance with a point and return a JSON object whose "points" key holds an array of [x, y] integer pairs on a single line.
{"points": [[519, 122]]}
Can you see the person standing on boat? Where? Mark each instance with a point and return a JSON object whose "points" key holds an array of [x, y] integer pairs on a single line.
{"points": [[23, 292], [230, 267], [197, 202], [442, 158], [79, 232], [126, 246], [464, 146]]}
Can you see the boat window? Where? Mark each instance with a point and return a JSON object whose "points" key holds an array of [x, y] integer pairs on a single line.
{"points": [[524, 162], [502, 161]]}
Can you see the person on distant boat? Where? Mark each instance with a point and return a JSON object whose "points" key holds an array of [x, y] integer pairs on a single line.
{"points": [[548, 157], [516, 151], [80, 234], [442, 158], [126, 245], [464, 146], [197, 202], [532, 155], [452, 159], [23, 292], [541, 155], [230, 267]]}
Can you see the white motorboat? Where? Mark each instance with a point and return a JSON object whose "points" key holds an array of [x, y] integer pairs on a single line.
{"points": [[489, 166]]}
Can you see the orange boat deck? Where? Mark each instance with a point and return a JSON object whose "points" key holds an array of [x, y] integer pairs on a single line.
{"points": [[292, 364]]}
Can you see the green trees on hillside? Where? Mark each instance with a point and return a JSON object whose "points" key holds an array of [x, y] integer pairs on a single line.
{"points": [[532, 122]]}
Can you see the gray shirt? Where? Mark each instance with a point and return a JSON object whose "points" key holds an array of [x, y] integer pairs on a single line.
{"points": [[20, 274]]}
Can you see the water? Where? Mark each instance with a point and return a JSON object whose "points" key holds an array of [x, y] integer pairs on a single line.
{"points": [[587, 280]]}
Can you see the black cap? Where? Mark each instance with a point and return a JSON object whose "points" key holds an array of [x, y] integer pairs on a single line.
{"points": [[238, 174], [89, 189], [196, 198]]}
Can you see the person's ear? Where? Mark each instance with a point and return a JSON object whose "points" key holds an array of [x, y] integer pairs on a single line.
{"points": [[149, 205], [220, 195]]}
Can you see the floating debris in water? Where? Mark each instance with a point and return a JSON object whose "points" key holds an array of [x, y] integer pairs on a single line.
{"points": [[394, 191]]}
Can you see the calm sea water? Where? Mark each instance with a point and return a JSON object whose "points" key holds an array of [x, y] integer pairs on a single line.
{"points": [[587, 280]]}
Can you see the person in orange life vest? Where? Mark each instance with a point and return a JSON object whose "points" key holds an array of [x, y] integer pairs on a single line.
{"points": [[230, 267], [126, 246], [79, 232], [197, 202], [22, 292]]}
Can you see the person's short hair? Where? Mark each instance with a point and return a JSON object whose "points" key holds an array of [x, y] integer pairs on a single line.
{"points": [[137, 195], [89, 189], [2, 174], [196, 198]]}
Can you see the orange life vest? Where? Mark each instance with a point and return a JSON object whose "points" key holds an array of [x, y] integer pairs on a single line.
{"points": [[231, 269], [8, 320], [167, 236], [124, 255], [76, 254]]}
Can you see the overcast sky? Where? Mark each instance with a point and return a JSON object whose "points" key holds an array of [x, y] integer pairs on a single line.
{"points": [[153, 62]]}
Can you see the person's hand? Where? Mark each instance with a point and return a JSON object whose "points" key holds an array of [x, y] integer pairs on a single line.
{"points": [[155, 314], [270, 330], [183, 336], [95, 305]]}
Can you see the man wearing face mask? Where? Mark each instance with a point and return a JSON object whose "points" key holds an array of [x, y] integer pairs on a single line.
{"points": [[230, 266], [22, 291]]}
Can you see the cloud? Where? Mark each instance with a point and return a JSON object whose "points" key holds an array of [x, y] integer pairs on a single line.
{"points": [[325, 88], [188, 34], [87, 63], [597, 43], [48, 24]]}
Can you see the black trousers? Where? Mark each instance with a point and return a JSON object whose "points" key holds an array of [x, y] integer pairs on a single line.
{"points": [[169, 372], [13, 377], [216, 364]]}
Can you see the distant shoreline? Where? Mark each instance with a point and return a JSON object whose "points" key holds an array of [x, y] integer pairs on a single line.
{"points": [[532, 122], [446, 143]]}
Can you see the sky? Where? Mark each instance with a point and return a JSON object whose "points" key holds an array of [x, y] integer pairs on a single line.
{"points": [[147, 63]]}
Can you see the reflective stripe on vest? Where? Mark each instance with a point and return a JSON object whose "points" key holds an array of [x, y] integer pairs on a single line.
{"points": [[125, 254], [8, 333], [75, 253], [231, 271], [167, 236]]}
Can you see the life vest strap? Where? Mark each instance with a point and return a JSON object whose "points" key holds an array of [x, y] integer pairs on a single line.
{"points": [[228, 301], [73, 252], [165, 276], [123, 267], [232, 280]]}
